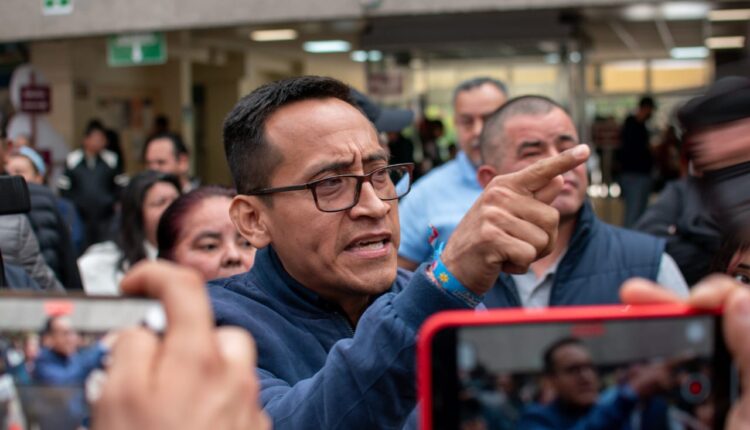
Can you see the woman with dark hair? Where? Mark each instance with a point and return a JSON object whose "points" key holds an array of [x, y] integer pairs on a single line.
{"points": [[734, 260], [196, 231], [142, 202]]}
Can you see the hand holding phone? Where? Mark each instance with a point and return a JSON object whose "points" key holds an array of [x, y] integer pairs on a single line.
{"points": [[195, 377]]}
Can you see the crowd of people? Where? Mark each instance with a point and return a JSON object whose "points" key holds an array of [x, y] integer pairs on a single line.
{"points": [[349, 257]]}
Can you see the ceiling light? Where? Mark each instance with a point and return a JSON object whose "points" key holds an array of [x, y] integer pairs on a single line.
{"points": [[728, 42], [729, 15], [672, 11], [273, 35], [326, 46], [359, 56], [682, 11], [689, 52], [640, 12], [375, 56], [672, 64]]}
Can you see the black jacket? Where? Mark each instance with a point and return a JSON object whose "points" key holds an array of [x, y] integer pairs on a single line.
{"points": [[680, 216], [54, 236]]}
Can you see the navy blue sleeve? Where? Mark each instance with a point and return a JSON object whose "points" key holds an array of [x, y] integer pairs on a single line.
{"points": [[50, 372], [606, 415], [368, 381]]}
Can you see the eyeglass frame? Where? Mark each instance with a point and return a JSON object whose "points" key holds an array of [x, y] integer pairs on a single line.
{"points": [[361, 179]]}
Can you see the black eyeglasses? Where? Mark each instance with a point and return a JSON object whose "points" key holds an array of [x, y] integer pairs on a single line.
{"points": [[341, 192]]}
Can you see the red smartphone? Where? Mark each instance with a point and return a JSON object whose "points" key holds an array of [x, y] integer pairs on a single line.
{"points": [[608, 367]]}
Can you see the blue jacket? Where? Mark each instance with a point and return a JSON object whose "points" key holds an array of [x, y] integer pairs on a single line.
{"points": [[316, 370], [52, 368], [599, 259], [614, 411]]}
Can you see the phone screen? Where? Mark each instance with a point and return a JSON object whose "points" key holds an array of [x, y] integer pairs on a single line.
{"points": [[53, 351], [662, 373]]}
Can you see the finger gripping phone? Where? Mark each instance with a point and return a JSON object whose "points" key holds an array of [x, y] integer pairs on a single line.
{"points": [[604, 367]]}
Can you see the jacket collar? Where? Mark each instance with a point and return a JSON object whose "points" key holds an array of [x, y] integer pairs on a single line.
{"points": [[468, 170]]}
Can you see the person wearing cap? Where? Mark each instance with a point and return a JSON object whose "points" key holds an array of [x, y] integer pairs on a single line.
{"points": [[54, 219], [439, 200], [715, 129]]}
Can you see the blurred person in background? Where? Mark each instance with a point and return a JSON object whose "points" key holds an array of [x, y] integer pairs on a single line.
{"points": [[62, 361], [441, 198], [636, 160], [143, 201], [167, 153], [20, 248], [56, 222], [578, 403], [196, 231], [91, 182], [715, 129]]}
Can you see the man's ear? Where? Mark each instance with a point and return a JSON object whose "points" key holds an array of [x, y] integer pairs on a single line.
{"points": [[183, 161], [485, 173], [248, 214]]}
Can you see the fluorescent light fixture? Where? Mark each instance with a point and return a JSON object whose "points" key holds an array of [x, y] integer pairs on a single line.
{"points": [[684, 11], [689, 52], [672, 64], [273, 35], [359, 56], [326, 46], [729, 15], [375, 56], [640, 12], [671, 11], [552, 58], [727, 42]]}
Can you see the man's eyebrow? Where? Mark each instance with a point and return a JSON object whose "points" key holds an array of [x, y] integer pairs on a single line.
{"points": [[566, 138], [342, 165], [529, 144], [377, 156], [743, 266]]}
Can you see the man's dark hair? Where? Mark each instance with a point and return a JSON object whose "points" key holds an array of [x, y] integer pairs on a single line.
{"points": [[470, 84], [647, 101], [49, 323], [178, 145], [549, 353], [93, 126], [252, 158], [494, 125]]}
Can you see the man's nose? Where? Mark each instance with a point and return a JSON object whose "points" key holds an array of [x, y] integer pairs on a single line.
{"points": [[369, 204]]}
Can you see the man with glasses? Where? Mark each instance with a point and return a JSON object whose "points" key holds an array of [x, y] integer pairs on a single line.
{"points": [[578, 404], [335, 321], [590, 259], [444, 195]]}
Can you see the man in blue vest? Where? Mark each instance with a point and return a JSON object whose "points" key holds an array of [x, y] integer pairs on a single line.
{"points": [[590, 259]]}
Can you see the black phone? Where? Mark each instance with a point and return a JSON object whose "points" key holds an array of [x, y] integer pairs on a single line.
{"points": [[53, 352], [609, 367]]}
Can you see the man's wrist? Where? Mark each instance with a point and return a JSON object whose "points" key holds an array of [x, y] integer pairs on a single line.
{"points": [[443, 278]]}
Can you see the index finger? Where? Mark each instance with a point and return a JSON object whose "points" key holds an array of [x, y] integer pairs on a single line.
{"points": [[539, 174], [181, 291]]}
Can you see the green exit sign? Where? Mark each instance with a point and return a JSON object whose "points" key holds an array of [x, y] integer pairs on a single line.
{"points": [[136, 49], [57, 7]]}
